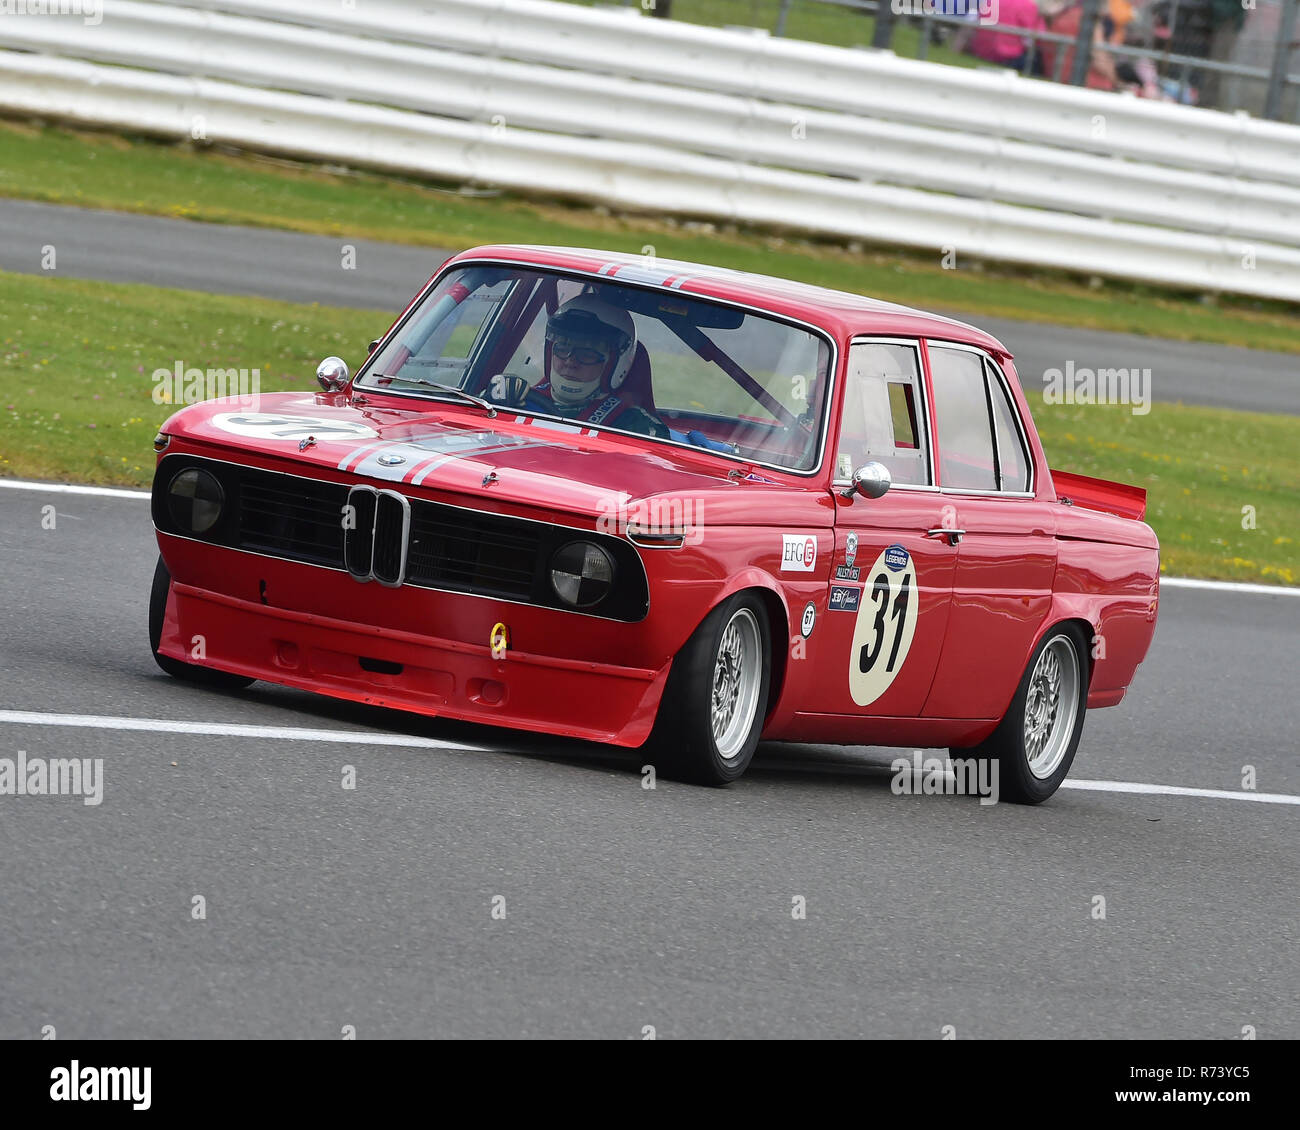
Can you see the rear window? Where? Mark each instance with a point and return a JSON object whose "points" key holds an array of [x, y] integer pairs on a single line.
{"points": [[961, 414]]}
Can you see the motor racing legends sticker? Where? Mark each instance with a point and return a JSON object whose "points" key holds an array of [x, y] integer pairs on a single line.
{"points": [[882, 634], [798, 553], [276, 425], [809, 619], [844, 598]]}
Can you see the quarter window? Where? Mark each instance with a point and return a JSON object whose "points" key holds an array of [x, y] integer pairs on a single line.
{"points": [[1013, 462]]}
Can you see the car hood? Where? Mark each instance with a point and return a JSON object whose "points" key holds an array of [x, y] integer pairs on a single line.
{"points": [[511, 458]]}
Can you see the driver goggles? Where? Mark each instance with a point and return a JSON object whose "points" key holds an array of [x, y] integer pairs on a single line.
{"points": [[564, 349]]}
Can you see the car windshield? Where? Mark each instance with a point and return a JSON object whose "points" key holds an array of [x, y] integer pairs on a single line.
{"points": [[601, 354]]}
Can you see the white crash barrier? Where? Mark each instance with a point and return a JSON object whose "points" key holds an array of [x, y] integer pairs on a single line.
{"points": [[606, 105]]}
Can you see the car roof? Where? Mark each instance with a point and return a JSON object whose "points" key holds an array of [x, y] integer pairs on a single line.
{"points": [[842, 313]]}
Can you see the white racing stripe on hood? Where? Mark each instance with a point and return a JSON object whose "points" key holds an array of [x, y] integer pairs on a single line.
{"points": [[520, 445]]}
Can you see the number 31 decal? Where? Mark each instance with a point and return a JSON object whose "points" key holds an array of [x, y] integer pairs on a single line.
{"points": [[885, 625]]}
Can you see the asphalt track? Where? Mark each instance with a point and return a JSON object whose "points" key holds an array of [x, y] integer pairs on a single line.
{"points": [[625, 907], [303, 268]]}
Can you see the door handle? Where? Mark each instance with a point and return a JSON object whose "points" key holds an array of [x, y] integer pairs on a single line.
{"points": [[953, 536]]}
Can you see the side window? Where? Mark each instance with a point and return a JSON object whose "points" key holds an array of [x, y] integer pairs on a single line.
{"points": [[882, 418], [961, 415], [1013, 460]]}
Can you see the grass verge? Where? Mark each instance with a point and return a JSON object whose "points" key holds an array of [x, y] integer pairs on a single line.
{"points": [[76, 404], [107, 171]]}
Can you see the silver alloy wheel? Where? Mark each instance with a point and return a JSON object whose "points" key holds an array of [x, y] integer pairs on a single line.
{"points": [[736, 675], [1051, 706]]}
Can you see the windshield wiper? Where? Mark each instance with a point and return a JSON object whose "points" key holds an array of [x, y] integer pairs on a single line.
{"points": [[478, 400]]}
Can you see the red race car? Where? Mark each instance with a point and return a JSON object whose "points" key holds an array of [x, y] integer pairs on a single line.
{"points": [[629, 501]]}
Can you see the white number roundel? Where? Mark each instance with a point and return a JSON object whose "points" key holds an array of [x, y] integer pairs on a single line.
{"points": [[882, 633]]}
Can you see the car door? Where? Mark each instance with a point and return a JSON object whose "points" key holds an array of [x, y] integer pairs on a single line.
{"points": [[891, 582], [1006, 559]]}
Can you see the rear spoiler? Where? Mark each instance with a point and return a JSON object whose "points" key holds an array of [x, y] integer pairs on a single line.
{"points": [[1100, 494]]}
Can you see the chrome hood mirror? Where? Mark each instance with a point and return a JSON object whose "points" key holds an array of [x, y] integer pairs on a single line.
{"points": [[332, 374], [871, 480]]}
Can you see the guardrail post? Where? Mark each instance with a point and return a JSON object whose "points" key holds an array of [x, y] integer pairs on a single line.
{"points": [[1083, 44], [884, 33], [780, 18], [1281, 60]]}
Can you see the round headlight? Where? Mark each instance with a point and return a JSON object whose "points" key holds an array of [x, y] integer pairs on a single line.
{"points": [[194, 500], [582, 574]]}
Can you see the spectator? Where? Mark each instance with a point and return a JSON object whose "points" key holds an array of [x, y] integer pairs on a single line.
{"points": [[1004, 48], [1064, 19]]}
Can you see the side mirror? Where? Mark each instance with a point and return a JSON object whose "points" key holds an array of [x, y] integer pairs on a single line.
{"points": [[332, 374], [871, 480], [373, 346]]}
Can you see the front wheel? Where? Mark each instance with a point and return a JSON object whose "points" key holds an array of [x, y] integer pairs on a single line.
{"points": [[716, 698], [1035, 743], [203, 676]]}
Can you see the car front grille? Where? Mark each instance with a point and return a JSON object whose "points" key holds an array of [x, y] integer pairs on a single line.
{"points": [[376, 533], [473, 552], [286, 516]]}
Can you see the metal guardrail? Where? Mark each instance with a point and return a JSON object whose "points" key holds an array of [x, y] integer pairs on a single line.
{"points": [[935, 17], [659, 115]]}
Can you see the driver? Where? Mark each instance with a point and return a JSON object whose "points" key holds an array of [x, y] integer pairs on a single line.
{"points": [[590, 345]]}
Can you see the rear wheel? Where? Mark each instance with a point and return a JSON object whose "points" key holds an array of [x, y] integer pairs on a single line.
{"points": [[716, 698], [203, 676], [1035, 743]]}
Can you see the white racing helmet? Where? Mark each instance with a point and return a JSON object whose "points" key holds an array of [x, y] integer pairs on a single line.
{"points": [[588, 322]]}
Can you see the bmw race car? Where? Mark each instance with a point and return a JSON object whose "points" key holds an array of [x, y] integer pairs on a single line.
{"points": [[638, 502]]}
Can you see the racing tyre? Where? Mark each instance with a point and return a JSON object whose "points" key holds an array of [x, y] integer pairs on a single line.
{"points": [[716, 698], [202, 676], [1036, 740]]}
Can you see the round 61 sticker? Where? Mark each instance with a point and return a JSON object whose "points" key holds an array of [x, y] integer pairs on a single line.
{"points": [[885, 625]]}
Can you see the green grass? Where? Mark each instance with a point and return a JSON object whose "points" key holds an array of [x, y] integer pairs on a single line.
{"points": [[77, 362], [76, 403], [1201, 467], [106, 171]]}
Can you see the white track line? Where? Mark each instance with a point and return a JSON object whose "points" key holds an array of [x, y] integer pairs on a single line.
{"points": [[352, 737], [1226, 586], [1178, 790], [1170, 582], [225, 729], [65, 488]]}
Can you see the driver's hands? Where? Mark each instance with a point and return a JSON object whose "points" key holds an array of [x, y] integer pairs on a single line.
{"points": [[507, 388]]}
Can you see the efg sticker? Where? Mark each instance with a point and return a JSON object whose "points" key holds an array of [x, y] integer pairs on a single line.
{"points": [[844, 598], [847, 572], [809, 619], [276, 425], [798, 553], [886, 623]]}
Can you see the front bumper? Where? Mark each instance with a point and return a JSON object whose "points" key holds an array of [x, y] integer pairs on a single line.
{"points": [[425, 674]]}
